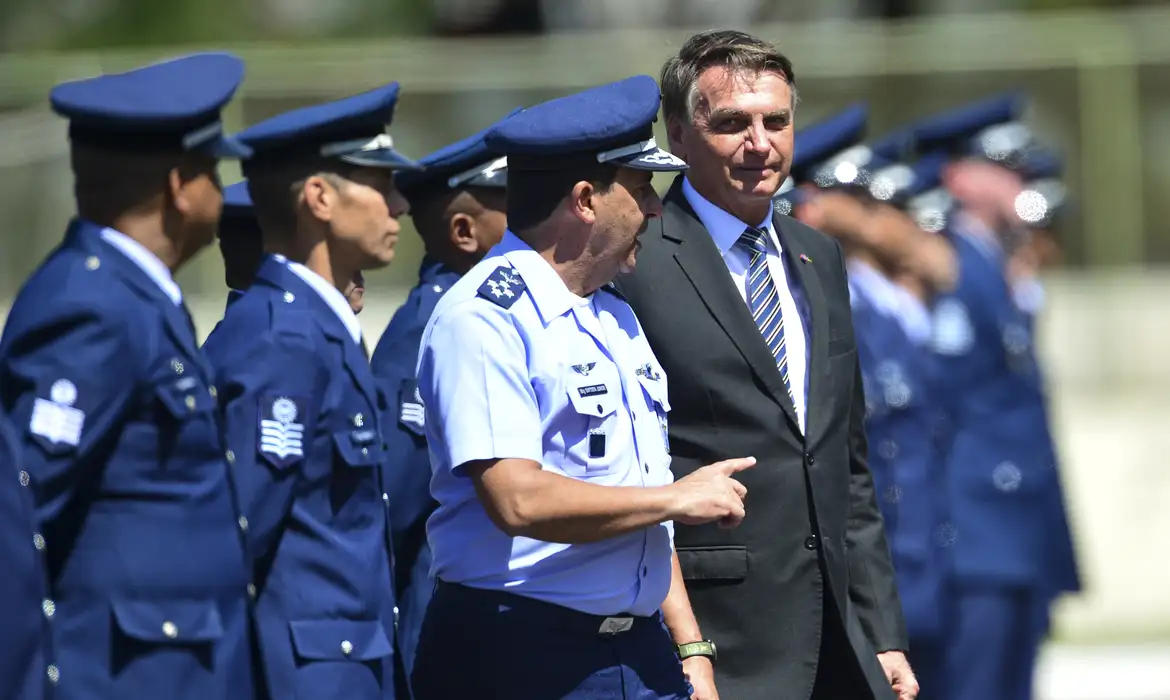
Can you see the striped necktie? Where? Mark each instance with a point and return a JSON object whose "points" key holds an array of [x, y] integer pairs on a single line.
{"points": [[764, 299]]}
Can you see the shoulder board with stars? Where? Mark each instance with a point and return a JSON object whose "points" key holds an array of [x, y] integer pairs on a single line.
{"points": [[503, 287]]}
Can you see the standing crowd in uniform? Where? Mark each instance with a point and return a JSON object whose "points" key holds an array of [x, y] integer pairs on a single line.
{"points": [[780, 432]]}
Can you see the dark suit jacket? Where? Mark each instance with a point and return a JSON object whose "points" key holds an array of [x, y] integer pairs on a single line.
{"points": [[758, 590]]}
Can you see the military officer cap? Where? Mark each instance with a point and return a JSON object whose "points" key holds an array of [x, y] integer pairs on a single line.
{"points": [[172, 106], [465, 163], [990, 129], [1045, 195], [929, 203], [352, 130], [238, 219], [612, 124]]}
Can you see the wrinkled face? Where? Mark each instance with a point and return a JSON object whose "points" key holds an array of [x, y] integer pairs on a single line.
{"points": [[739, 141], [364, 222], [622, 214]]}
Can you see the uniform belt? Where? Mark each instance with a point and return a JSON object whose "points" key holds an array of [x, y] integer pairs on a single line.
{"points": [[538, 611]]}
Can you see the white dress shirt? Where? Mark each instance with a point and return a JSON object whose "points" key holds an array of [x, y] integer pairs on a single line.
{"points": [[334, 298], [725, 230], [148, 261]]}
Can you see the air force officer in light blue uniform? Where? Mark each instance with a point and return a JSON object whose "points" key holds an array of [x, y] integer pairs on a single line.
{"points": [[546, 422]]}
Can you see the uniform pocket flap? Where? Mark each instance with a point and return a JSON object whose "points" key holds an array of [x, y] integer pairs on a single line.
{"points": [[340, 640], [165, 621], [717, 563], [656, 390], [360, 447], [184, 397]]}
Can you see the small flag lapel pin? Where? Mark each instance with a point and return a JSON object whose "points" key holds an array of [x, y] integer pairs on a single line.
{"points": [[805, 259]]}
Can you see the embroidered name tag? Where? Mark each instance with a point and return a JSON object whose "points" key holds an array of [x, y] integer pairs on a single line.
{"points": [[592, 390]]}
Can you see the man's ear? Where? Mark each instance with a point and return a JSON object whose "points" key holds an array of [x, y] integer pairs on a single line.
{"points": [[461, 232], [320, 197], [581, 199]]}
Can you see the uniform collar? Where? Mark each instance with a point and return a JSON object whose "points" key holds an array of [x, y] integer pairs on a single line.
{"points": [[549, 293], [431, 271], [333, 298], [145, 260], [725, 228]]}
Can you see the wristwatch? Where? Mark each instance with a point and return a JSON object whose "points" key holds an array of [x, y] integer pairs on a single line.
{"points": [[703, 648]]}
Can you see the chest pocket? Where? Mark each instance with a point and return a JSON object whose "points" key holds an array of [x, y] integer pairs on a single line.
{"points": [[595, 394], [654, 387]]}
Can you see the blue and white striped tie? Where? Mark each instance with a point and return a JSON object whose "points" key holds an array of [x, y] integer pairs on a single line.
{"points": [[764, 299]]}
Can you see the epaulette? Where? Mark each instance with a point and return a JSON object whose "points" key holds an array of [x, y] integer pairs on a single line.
{"points": [[612, 289], [503, 287]]}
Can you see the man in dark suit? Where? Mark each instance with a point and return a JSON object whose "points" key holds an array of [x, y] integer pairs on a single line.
{"points": [[749, 313]]}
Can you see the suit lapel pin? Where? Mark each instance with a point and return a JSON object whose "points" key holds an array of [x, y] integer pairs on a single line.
{"points": [[805, 259]]}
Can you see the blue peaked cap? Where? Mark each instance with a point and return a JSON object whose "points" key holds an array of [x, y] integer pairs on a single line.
{"points": [[895, 146], [465, 163], [612, 123], [352, 129], [816, 144], [238, 219], [1040, 163], [174, 105], [990, 129]]}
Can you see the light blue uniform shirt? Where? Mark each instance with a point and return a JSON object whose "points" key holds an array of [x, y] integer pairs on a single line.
{"points": [[514, 365]]}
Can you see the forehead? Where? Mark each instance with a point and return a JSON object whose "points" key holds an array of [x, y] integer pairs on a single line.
{"points": [[724, 88]]}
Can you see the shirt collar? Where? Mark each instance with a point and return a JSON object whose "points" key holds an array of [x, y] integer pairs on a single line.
{"points": [[548, 291], [329, 294], [148, 261], [725, 228]]}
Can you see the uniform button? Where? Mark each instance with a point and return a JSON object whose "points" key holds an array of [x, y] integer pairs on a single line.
{"points": [[231, 457], [92, 262], [386, 498], [38, 541], [346, 647], [289, 297], [53, 673], [810, 542], [243, 523], [170, 630], [810, 458], [213, 391], [49, 608], [252, 591], [190, 403], [23, 478], [365, 451], [359, 420], [646, 467]]}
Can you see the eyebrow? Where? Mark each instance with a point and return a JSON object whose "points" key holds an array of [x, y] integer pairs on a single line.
{"points": [[732, 113]]}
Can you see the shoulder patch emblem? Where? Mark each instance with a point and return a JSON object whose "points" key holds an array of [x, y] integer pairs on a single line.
{"points": [[56, 423], [503, 287], [282, 430]]}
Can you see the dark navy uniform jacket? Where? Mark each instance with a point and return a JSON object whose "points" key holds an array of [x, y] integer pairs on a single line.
{"points": [[1005, 493], [408, 468], [302, 412], [25, 603], [901, 422], [101, 374]]}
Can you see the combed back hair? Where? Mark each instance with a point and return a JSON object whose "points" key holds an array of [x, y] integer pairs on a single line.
{"points": [[276, 189], [737, 51], [533, 195]]}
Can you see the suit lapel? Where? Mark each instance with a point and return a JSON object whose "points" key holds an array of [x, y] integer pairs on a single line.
{"points": [[818, 393], [703, 265]]}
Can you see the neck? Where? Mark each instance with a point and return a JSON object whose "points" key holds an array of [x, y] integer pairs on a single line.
{"points": [[314, 254], [751, 212], [575, 267], [148, 230]]}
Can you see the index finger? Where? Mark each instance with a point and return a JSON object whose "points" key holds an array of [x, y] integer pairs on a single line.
{"points": [[731, 466]]}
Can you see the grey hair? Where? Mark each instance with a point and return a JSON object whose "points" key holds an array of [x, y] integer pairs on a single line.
{"points": [[735, 50]]}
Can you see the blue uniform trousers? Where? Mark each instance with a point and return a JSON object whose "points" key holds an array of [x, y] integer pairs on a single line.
{"points": [[492, 645], [997, 636]]}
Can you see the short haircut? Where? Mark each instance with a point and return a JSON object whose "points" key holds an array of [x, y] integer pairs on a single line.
{"points": [[533, 195], [734, 50], [275, 189]]}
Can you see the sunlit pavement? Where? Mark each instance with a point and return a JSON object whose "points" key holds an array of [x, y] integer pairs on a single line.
{"points": [[1104, 673]]}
